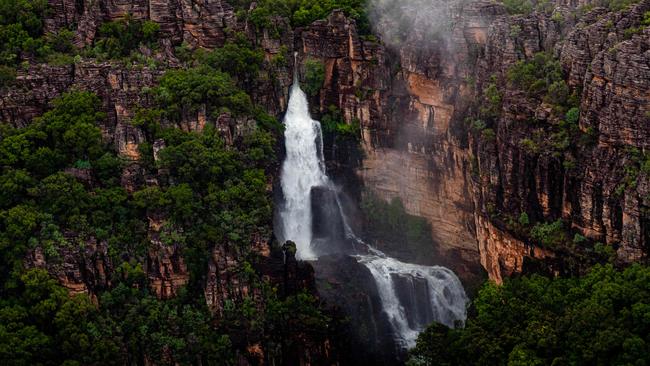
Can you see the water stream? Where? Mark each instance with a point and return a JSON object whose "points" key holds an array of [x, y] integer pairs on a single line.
{"points": [[412, 296]]}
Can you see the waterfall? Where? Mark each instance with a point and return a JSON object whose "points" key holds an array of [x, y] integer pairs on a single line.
{"points": [[302, 170], [440, 289], [412, 296]]}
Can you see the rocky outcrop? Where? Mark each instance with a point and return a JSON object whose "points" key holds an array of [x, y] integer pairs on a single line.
{"points": [[406, 117], [414, 137], [502, 255], [81, 270], [198, 23]]}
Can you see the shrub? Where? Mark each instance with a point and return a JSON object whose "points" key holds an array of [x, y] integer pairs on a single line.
{"points": [[551, 235], [332, 123], [573, 115], [541, 77], [7, 75], [239, 59], [518, 6], [523, 219], [488, 135], [529, 146], [187, 90], [314, 76], [493, 99], [21, 30], [118, 38]]}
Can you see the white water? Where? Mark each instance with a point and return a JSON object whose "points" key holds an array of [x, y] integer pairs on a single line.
{"points": [[302, 170], [445, 292]]}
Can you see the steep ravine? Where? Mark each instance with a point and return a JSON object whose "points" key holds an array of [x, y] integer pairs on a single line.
{"points": [[412, 103], [410, 296]]}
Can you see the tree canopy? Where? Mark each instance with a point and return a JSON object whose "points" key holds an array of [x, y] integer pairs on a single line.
{"points": [[602, 318]]}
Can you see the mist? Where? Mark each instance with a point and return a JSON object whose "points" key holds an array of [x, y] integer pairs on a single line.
{"points": [[413, 21]]}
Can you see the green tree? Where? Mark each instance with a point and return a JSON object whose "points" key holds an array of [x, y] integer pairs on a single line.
{"points": [[314, 76], [599, 319]]}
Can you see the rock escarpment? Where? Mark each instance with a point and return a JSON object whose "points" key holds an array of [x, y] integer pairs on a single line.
{"points": [[412, 103], [123, 86], [597, 187]]}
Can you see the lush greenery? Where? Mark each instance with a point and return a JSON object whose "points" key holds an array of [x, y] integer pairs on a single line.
{"points": [[238, 58], [600, 319], [21, 30], [314, 76], [334, 125], [62, 191], [542, 77], [22, 38], [303, 12], [117, 39]]}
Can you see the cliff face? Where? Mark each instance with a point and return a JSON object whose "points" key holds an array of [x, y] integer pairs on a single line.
{"points": [[591, 195], [406, 119], [122, 88], [412, 102]]}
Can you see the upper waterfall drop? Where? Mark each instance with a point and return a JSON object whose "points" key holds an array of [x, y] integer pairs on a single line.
{"points": [[302, 170]]}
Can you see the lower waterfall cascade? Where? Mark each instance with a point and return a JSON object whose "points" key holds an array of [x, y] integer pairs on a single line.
{"points": [[412, 296]]}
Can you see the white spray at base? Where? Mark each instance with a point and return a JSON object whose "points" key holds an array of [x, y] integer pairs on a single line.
{"points": [[447, 299], [402, 287]]}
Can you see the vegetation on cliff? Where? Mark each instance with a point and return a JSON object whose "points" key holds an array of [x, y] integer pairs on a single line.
{"points": [[600, 319], [63, 191], [303, 12]]}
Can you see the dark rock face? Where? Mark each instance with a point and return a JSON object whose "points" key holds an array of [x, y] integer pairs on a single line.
{"points": [[349, 287], [199, 23]]}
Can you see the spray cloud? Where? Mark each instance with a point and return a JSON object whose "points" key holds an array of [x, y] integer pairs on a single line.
{"points": [[413, 21]]}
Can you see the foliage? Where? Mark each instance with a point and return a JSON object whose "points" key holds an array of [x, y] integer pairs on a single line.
{"points": [[536, 75], [600, 319], [238, 58], [61, 189], [615, 5], [492, 107], [488, 135], [333, 124], [41, 324], [182, 91], [41, 201], [21, 30], [518, 6], [550, 235], [117, 39], [314, 76], [7, 75], [304, 12]]}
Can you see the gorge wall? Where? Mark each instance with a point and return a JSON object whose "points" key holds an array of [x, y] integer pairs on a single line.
{"points": [[415, 104]]}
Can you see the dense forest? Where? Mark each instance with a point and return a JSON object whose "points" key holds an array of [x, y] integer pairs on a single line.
{"points": [[61, 188]]}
